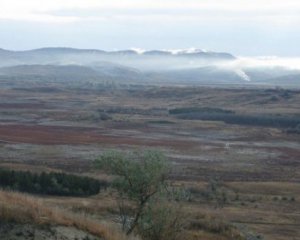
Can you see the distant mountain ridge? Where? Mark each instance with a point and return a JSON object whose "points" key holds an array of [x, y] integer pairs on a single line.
{"points": [[183, 52]]}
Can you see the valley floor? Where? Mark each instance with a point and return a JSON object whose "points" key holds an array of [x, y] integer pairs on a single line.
{"points": [[258, 167]]}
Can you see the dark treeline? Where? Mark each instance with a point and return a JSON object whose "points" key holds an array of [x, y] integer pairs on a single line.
{"points": [[60, 184], [189, 110], [295, 130], [254, 120], [228, 116]]}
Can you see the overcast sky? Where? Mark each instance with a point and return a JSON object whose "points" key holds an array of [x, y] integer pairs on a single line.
{"points": [[241, 27]]}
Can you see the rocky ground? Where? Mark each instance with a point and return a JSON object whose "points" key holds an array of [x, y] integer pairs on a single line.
{"points": [[31, 232]]}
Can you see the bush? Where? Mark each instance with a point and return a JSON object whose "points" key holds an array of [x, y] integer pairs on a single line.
{"points": [[162, 220], [139, 177], [153, 211]]}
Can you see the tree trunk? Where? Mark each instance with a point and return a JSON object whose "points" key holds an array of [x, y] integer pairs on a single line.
{"points": [[136, 219]]}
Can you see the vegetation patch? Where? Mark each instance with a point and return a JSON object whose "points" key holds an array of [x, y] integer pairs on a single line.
{"points": [[160, 122], [59, 184], [199, 110], [230, 117]]}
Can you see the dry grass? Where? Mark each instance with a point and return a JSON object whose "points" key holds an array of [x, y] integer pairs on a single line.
{"points": [[23, 208], [216, 228]]}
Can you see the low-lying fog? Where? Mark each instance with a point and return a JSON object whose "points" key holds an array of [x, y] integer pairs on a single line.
{"points": [[192, 66]]}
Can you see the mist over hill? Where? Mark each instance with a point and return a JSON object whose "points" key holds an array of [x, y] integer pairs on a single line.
{"points": [[147, 60], [183, 66]]}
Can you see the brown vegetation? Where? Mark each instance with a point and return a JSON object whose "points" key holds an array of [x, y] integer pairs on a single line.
{"points": [[23, 208]]}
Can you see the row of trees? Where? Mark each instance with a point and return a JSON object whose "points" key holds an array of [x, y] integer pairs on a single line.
{"points": [[253, 120], [60, 184], [228, 116], [199, 110]]}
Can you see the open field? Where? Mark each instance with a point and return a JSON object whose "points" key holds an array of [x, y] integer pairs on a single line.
{"points": [[65, 129]]}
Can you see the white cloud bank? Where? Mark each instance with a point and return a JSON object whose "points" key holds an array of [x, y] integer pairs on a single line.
{"points": [[249, 27], [268, 62], [178, 10]]}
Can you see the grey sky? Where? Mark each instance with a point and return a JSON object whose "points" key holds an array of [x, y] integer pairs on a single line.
{"points": [[242, 27]]}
